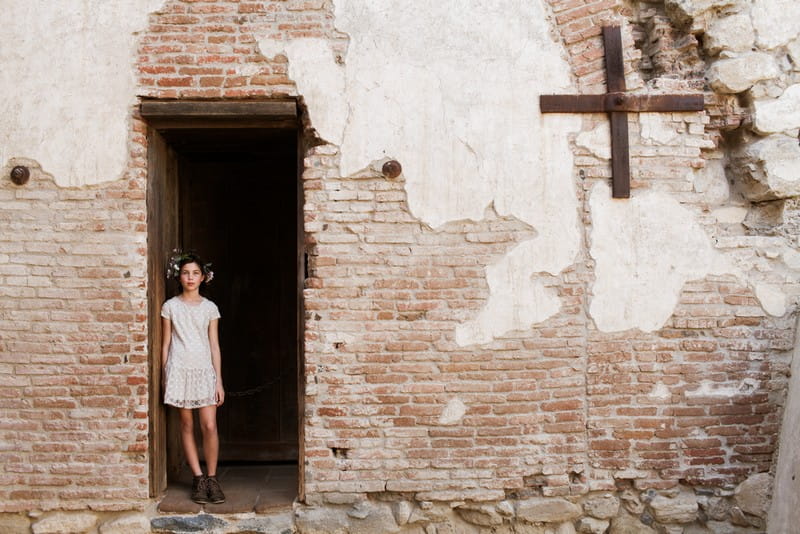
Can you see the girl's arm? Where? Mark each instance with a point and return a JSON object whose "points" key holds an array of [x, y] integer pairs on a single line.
{"points": [[166, 338], [216, 358]]}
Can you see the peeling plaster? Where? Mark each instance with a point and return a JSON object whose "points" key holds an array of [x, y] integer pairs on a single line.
{"points": [[660, 392], [469, 138], [657, 128], [709, 388], [68, 84], [646, 248], [597, 141], [456, 103]]}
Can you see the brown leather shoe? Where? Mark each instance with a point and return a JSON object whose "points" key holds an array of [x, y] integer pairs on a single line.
{"points": [[215, 495], [199, 489]]}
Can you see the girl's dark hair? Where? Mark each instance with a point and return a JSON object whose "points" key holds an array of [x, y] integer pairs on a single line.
{"points": [[190, 257]]}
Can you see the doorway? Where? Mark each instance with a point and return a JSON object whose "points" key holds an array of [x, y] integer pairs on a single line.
{"points": [[226, 186]]}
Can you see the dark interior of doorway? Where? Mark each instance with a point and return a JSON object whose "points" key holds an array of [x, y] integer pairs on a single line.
{"points": [[237, 198]]}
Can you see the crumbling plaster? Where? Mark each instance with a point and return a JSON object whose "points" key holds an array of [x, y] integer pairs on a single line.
{"points": [[458, 108], [68, 85], [646, 249], [469, 138]]}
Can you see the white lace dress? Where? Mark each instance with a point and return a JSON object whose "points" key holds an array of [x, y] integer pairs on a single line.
{"points": [[190, 376]]}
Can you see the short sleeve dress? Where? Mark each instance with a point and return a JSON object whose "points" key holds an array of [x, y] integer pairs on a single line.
{"points": [[190, 376]]}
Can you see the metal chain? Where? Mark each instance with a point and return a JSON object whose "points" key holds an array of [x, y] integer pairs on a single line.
{"points": [[255, 390]]}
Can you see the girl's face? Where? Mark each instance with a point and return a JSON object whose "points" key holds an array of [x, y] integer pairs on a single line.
{"points": [[191, 276]]}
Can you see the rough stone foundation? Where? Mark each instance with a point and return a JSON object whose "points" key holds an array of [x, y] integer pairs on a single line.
{"points": [[626, 511]]}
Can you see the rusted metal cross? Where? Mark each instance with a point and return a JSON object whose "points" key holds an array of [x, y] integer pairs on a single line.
{"points": [[617, 104]]}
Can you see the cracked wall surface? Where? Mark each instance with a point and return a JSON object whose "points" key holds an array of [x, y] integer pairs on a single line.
{"points": [[459, 109], [467, 138], [631, 345]]}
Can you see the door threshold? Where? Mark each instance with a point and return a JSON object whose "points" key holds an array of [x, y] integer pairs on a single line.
{"points": [[262, 489]]}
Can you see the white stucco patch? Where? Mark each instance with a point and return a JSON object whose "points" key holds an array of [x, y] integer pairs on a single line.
{"points": [[709, 388], [660, 392], [453, 412], [67, 85], [597, 141], [646, 249], [657, 128], [456, 103], [313, 66]]}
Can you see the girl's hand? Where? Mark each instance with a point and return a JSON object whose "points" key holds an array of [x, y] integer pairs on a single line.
{"points": [[220, 394]]}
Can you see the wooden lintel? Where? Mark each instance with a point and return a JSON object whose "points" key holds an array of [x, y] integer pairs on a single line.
{"points": [[227, 114]]}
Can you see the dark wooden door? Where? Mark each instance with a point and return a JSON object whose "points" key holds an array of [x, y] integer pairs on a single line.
{"points": [[238, 210], [162, 230]]}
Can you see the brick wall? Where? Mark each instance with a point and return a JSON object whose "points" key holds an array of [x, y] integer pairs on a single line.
{"points": [[558, 410], [208, 49], [73, 387]]}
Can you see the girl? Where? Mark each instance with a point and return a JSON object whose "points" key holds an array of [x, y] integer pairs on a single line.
{"points": [[191, 361]]}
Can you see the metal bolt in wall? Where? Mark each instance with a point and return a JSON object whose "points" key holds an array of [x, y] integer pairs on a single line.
{"points": [[20, 175], [392, 169]]}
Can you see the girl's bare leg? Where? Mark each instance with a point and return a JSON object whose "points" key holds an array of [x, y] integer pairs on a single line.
{"points": [[187, 440], [208, 425]]}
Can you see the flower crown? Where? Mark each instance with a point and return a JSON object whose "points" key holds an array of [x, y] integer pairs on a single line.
{"points": [[174, 265]]}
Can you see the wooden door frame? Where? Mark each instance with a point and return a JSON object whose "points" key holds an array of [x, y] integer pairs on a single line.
{"points": [[162, 198]]}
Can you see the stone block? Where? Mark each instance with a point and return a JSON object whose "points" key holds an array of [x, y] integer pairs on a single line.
{"points": [[590, 525], [326, 520], [565, 528], [794, 54], [627, 524], [754, 494], [717, 508], [736, 75], [543, 510], [769, 169], [14, 524], [368, 517], [402, 511], [776, 22], [181, 524], [127, 524], [485, 515], [778, 115], [65, 523], [505, 508], [680, 509], [602, 506], [734, 34], [268, 524], [697, 529], [689, 13], [632, 502]]}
